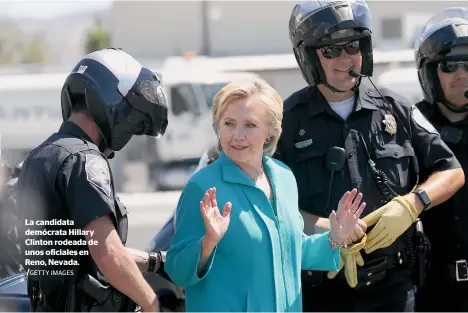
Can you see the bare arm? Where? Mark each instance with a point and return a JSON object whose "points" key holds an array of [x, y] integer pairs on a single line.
{"points": [[439, 187], [118, 266], [141, 258]]}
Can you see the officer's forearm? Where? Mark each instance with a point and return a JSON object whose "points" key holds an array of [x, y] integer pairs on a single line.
{"points": [[439, 187], [141, 258], [120, 269], [117, 265], [314, 224]]}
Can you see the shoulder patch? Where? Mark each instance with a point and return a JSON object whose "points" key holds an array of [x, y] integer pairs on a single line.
{"points": [[97, 173], [422, 121]]}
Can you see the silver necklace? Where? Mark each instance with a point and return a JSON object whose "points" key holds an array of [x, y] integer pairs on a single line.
{"points": [[256, 178]]}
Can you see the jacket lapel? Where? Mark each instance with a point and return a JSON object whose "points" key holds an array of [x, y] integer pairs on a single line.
{"points": [[233, 174]]}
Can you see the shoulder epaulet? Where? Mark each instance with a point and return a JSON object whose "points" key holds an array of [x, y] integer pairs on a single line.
{"points": [[298, 97]]}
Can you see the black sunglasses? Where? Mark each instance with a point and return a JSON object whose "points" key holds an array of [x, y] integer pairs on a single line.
{"points": [[334, 51], [452, 66]]}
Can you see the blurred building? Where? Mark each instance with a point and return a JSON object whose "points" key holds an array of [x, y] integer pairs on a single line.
{"points": [[158, 29]]}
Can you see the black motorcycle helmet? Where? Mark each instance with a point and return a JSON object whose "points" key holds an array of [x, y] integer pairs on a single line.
{"points": [[319, 23], [123, 97], [443, 32]]}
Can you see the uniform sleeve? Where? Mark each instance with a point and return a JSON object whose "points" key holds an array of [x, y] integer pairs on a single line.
{"points": [[317, 254], [184, 253], [432, 152], [85, 181]]}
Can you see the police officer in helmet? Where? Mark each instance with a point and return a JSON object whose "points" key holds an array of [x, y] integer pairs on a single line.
{"points": [[74, 228], [441, 53], [341, 133]]}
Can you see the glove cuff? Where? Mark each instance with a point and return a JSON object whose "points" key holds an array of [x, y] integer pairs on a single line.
{"points": [[408, 206], [356, 246]]}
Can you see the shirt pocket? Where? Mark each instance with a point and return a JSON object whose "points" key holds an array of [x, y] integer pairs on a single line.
{"points": [[311, 176], [395, 161]]}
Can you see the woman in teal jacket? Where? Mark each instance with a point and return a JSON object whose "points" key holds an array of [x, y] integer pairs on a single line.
{"points": [[249, 256]]}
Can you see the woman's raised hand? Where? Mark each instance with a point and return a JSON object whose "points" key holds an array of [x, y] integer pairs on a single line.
{"points": [[216, 224], [343, 222]]}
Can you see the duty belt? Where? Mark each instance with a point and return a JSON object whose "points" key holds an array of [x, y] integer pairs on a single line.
{"points": [[373, 271]]}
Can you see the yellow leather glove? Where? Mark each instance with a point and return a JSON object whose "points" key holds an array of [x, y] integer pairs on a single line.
{"points": [[350, 258], [397, 217]]}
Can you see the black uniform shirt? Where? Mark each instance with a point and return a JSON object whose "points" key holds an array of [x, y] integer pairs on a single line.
{"points": [[311, 127], [85, 182], [66, 178], [447, 224]]}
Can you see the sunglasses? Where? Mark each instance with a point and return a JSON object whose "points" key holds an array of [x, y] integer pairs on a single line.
{"points": [[334, 51], [452, 66]]}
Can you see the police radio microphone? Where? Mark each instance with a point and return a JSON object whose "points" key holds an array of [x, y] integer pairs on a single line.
{"points": [[355, 74], [334, 162]]}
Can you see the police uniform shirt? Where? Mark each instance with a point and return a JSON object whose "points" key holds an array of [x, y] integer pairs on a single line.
{"points": [[67, 178], [446, 224], [311, 127]]}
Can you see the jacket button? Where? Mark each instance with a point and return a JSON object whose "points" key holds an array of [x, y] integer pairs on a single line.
{"points": [[369, 274], [368, 283], [309, 273]]}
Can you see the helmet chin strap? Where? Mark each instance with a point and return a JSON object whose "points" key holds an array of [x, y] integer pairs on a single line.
{"points": [[333, 89], [454, 108]]}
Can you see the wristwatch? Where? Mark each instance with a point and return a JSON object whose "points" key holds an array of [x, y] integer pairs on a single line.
{"points": [[154, 261], [423, 197]]}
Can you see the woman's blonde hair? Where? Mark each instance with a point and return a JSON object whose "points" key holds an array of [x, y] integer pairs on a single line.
{"points": [[244, 89]]}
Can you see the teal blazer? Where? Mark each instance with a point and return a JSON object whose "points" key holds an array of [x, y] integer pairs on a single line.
{"points": [[257, 264]]}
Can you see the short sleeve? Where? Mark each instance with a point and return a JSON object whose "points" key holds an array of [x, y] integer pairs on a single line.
{"points": [[85, 181], [433, 153]]}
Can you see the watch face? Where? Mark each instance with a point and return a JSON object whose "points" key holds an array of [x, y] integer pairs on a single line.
{"points": [[424, 197]]}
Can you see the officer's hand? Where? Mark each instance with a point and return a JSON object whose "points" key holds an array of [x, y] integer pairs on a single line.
{"points": [[359, 232], [398, 216], [350, 258]]}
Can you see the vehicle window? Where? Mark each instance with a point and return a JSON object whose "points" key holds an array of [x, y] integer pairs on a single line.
{"points": [[210, 90], [183, 99]]}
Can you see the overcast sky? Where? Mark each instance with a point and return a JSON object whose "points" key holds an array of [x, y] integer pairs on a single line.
{"points": [[44, 9]]}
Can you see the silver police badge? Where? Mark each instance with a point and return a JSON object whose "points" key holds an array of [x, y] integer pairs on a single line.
{"points": [[97, 173], [390, 124]]}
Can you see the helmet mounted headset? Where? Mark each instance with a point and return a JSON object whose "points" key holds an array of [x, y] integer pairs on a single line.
{"points": [[439, 42], [121, 96], [317, 24]]}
